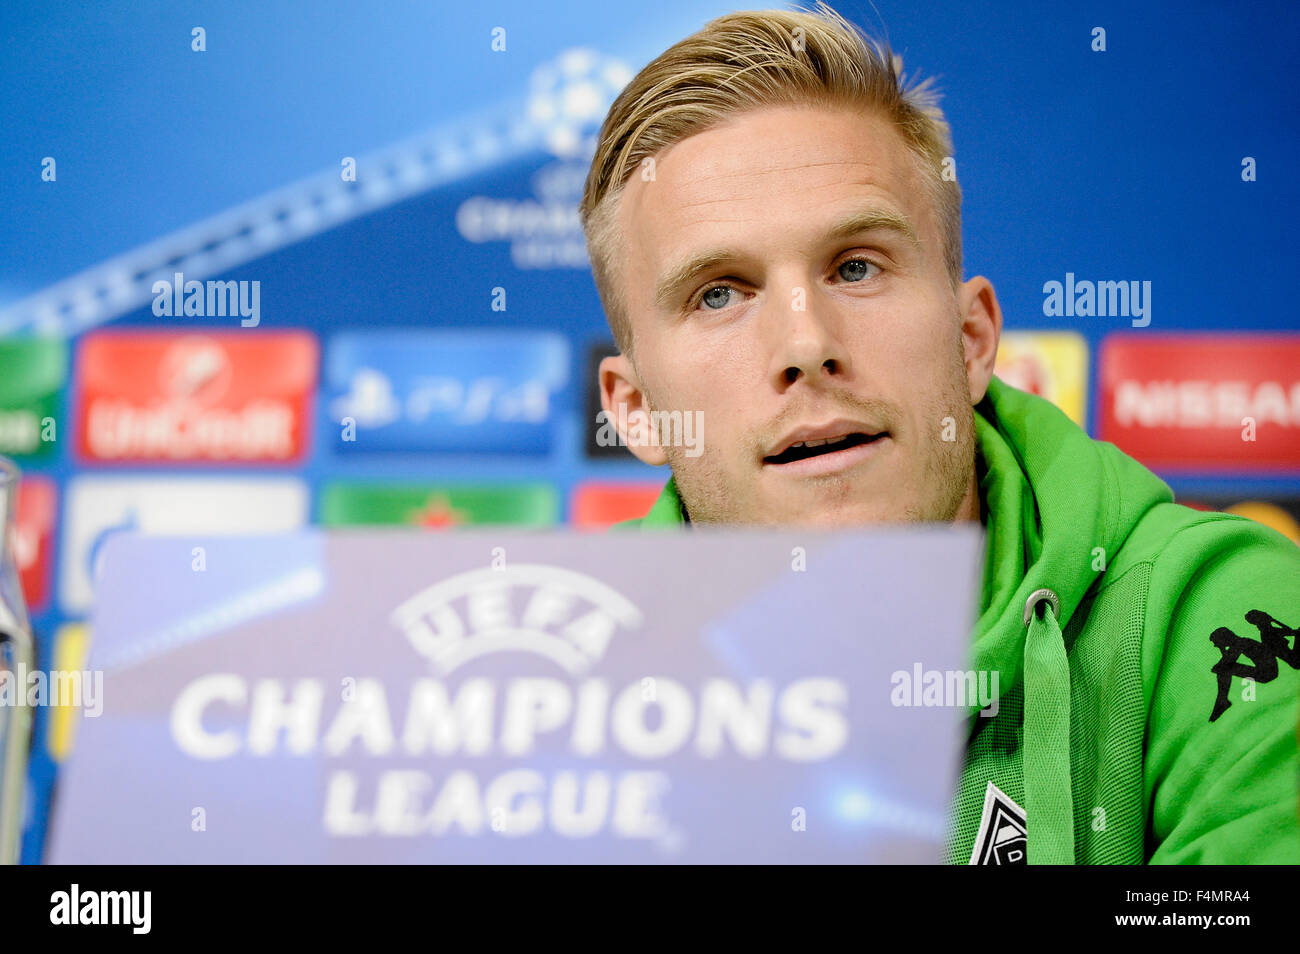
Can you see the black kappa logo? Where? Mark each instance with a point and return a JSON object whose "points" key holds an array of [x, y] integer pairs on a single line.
{"points": [[1000, 839], [1264, 653]]}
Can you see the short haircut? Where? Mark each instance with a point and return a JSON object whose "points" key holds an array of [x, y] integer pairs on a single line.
{"points": [[746, 61]]}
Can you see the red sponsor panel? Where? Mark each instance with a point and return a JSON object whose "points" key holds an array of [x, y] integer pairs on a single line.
{"points": [[601, 505], [228, 397], [33, 529], [1224, 402]]}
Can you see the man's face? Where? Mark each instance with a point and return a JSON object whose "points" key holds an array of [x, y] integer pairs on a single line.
{"points": [[818, 308]]}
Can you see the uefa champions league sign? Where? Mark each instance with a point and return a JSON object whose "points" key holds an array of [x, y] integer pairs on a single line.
{"points": [[547, 697]]}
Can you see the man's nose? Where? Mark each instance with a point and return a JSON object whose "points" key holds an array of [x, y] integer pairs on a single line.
{"points": [[805, 337]]}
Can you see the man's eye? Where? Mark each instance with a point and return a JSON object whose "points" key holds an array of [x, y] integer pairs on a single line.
{"points": [[717, 297], [851, 270], [856, 269]]}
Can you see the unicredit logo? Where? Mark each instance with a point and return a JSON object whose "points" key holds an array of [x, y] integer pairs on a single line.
{"points": [[195, 369], [220, 397]]}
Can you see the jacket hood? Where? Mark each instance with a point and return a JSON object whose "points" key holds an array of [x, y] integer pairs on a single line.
{"points": [[1057, 506]]}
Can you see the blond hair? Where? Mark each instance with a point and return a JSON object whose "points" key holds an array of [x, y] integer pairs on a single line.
{"points": [[745, 61]]}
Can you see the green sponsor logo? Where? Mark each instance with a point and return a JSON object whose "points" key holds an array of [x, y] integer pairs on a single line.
{"points": [[438, 506], [32, 372]]}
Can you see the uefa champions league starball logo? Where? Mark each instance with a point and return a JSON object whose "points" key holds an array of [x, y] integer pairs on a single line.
{"points": [[568, 99], [567, 617]]}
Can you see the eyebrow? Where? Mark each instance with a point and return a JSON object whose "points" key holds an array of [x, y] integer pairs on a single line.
{"points": [[871, 219]]}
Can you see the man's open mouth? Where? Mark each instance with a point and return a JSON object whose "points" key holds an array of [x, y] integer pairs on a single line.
{"points": [[802, 450]]}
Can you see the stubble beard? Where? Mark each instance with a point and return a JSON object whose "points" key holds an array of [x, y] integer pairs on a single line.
{"points": [[948, 468]]}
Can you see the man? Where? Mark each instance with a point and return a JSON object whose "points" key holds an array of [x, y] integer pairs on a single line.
{"points": [[778, 250]]}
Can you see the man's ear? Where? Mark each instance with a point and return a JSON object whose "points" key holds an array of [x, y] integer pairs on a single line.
{"points": [[981, 329], [627, 410]]}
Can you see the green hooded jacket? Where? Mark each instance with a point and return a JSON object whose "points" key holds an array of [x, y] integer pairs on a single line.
{"points": [[1152, 716]]}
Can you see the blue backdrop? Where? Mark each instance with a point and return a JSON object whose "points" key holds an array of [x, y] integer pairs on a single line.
{"points": [[225, 163]]}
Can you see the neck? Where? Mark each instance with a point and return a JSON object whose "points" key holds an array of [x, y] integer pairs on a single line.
{"points": [[971, 507]]}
